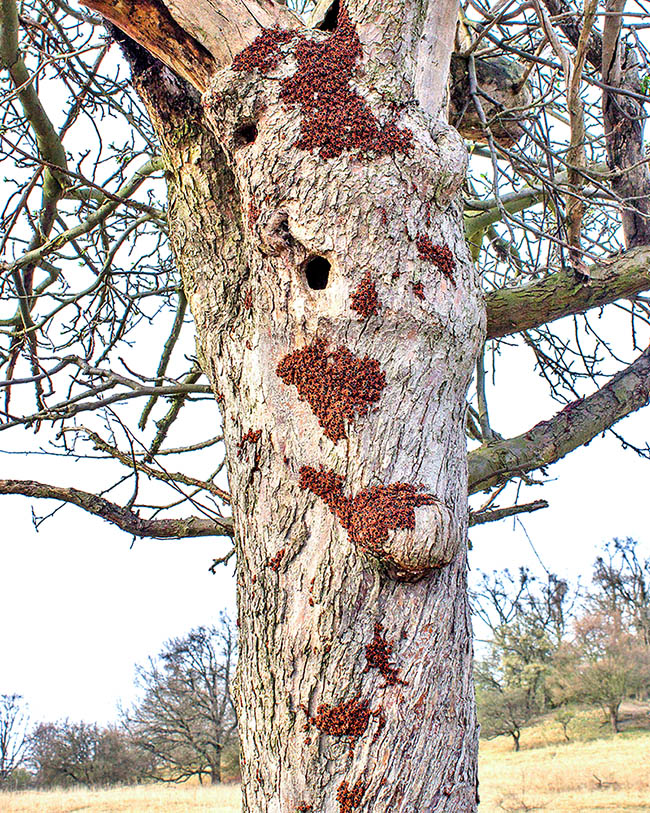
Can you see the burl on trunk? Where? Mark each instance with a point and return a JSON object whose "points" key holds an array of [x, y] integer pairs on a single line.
{"points": [[315, 217]]}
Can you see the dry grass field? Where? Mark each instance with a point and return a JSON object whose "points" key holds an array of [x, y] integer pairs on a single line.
{"points": [[596, 771], [593, 772], [140, 799]]}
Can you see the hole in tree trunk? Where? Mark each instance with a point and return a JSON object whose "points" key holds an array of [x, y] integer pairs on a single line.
{"points": [[245, 134], [331, 18], [317, 272]]}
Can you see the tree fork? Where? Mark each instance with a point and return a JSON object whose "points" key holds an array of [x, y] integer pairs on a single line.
{"points": [[266, 185]]}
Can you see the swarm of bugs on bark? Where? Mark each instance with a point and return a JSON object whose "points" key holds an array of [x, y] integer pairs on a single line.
{"points": [[372, 513], [348, 720], [337, 385], [349, 798], [335, 118], [364, 299], [440, 256]]}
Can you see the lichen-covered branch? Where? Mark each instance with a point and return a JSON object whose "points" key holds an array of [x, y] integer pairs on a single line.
{"points": [[511, 310], [577, 424], [125, 519]]}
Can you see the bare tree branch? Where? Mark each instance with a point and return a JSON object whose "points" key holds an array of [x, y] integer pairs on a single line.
{"points": [[495, 514], [577, 424], [125, 519], [511, 310]]}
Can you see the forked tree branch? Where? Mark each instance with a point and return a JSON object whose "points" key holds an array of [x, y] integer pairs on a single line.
{"points": [[511, 310], [577, 424], [125, 519], [495, 514]]}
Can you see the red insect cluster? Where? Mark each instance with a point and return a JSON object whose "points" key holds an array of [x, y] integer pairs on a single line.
{"points": [[336, 385], [418, 289], [335, 116], [274, 563], [370, 515], [440, 256], [249, 437], [348, 720], [253, 213], [248, 299], [364, 299], [378, 655], [263, 54], [303, 807], [349, 798]]}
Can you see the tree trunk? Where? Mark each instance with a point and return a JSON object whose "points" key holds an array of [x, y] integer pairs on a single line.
{"points": [[215, 769], [613, 718], [338, 318], [515, 738]]}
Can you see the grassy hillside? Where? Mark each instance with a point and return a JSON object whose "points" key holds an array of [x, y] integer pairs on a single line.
{"points": [[596, 771]]}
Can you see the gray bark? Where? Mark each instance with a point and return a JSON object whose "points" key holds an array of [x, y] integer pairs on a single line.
{"points": [[248, 209]]}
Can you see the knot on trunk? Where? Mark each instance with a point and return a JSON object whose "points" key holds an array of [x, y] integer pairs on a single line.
{"points": [[383, 522], [410, 554]]}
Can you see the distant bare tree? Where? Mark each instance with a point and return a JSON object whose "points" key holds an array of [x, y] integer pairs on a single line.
{"points": [[13, 734], [186, 718], [622, 584], [502, 597]]}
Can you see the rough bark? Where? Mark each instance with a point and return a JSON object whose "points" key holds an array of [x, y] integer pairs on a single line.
{"points": [[624, 119], [332, 610]]}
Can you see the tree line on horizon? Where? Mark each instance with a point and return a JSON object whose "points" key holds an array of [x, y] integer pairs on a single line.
{"points": [[550, 647]]}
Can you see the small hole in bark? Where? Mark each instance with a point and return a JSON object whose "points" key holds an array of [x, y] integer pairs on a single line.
{"points": [[245, 134], [317, 272], [331, 17]]}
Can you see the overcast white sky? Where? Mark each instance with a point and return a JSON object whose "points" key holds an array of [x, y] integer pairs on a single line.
{"points": [[80, 607]]}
